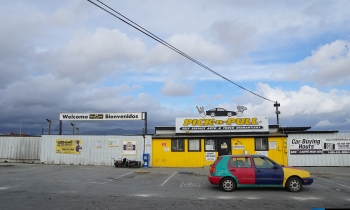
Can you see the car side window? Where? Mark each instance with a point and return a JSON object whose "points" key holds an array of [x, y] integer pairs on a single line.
{"points": [[233, 163], [261, 162], [240, 162]]}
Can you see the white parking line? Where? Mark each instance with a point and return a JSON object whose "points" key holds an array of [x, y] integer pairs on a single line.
{"points": [[304, 198], [167, 179], [332, 182], [117, 177]]}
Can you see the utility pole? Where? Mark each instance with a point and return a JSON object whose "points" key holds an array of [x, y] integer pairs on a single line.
{"points": [[277, 112], [78, 130]]}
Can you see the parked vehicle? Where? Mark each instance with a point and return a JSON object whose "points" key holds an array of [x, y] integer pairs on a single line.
{"points": [[232, 171], [220, 112], [125, 163]]}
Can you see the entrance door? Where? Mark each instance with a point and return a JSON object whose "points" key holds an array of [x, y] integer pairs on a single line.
{"points": [[224, 146]]}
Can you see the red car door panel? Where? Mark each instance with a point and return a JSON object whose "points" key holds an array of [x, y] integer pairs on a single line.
{"points": [[242, 169]]}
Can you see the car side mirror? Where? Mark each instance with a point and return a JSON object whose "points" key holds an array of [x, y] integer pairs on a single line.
{"points": [[276, 167]]}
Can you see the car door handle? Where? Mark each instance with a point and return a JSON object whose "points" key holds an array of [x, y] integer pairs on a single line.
{"points": [[258, 171], [232, 169]]}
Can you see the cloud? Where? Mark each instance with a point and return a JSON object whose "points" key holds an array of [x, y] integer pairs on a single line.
{"points": [[206, 97], [238, 37], [87, 58], [176, 89], [327, 66], [192, 44], [306, 106]]}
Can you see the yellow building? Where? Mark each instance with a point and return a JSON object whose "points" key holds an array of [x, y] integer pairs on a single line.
{"points": [[197, 144]]}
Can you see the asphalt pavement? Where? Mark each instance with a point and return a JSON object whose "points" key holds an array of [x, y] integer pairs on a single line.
{"points": [[40, 186]]}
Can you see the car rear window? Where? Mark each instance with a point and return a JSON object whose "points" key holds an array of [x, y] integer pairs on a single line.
{"points": [[216, 161]]}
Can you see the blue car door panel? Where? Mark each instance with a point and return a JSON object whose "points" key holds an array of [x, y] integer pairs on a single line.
{"points": [[267, 172]]}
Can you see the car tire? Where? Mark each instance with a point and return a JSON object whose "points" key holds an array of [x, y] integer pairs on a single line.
{"points": [[212, 114], [229, 114], [294, 184], [228, 184]]}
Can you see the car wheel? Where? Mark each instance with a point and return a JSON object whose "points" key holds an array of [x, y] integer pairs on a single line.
{"points": [[294, 184], [228, 184], [212, 114], [229, 114]]}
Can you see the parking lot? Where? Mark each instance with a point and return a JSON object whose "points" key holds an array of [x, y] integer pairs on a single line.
{"points": [[36, 186]]}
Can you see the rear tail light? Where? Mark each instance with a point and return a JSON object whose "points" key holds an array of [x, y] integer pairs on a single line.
{"points": [[212, 169]]}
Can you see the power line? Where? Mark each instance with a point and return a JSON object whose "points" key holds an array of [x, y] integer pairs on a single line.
{"points": [[32, 122], [146, 32]]}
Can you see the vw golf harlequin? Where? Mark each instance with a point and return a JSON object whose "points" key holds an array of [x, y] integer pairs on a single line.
{"points": [[231, 171]]}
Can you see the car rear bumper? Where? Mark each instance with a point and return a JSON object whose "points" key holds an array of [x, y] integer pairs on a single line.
{"points": [[214, 179], [307, 181]]}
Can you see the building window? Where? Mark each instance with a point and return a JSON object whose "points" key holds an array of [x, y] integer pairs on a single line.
{"points": [[261, 144], [194, 145], [177, 145], [210, 144]]}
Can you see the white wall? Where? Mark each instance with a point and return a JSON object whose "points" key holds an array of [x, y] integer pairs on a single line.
{"points": [[91, 155], [20, 149], [318, 159]]}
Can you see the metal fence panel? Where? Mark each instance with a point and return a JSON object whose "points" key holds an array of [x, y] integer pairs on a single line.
{"points": [[95, 149], [20, 149]]}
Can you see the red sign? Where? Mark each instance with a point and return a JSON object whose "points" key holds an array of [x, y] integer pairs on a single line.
{"points": [[163, 144]]}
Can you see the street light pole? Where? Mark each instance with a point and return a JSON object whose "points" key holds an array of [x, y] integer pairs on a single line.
{"points": [[72, 128], [277, 112], [78, 130], [49, 125], [20, 129]]}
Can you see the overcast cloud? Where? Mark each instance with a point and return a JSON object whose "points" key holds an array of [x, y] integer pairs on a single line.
{"points": [[71, 56]]}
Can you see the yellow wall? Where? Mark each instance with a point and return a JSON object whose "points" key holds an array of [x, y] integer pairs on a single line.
{"points": [[162, 156]]}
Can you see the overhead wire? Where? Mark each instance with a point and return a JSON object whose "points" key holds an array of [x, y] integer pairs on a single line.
{"points": [[146, 32]]}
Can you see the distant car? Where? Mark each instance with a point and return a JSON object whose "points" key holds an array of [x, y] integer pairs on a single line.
{"points": [[220, 112], [232, 171]]}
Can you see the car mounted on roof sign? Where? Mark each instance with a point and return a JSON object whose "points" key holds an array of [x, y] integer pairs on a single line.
{"points": [[232, 171], [220, 112]]}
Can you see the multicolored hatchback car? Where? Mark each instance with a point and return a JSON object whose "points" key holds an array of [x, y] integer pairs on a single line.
{"points": [[231, 171]]}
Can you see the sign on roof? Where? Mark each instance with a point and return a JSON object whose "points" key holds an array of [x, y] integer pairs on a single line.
{"points": [[222, 124]]}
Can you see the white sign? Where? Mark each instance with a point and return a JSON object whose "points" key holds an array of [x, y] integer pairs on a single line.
{"points": [[222, 124], [99, 144], [306, 147], [129, 148], [265, 153], [148, 142], [336, 146], [210, 156], [103, 116], [272, 145], [113, 142], [238, 147]]}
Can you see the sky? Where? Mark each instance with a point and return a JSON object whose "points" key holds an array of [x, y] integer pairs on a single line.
{"points": [[71, 56]]}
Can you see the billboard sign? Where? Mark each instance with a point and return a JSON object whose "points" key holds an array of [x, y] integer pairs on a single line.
{"points": [[103, 116]]}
